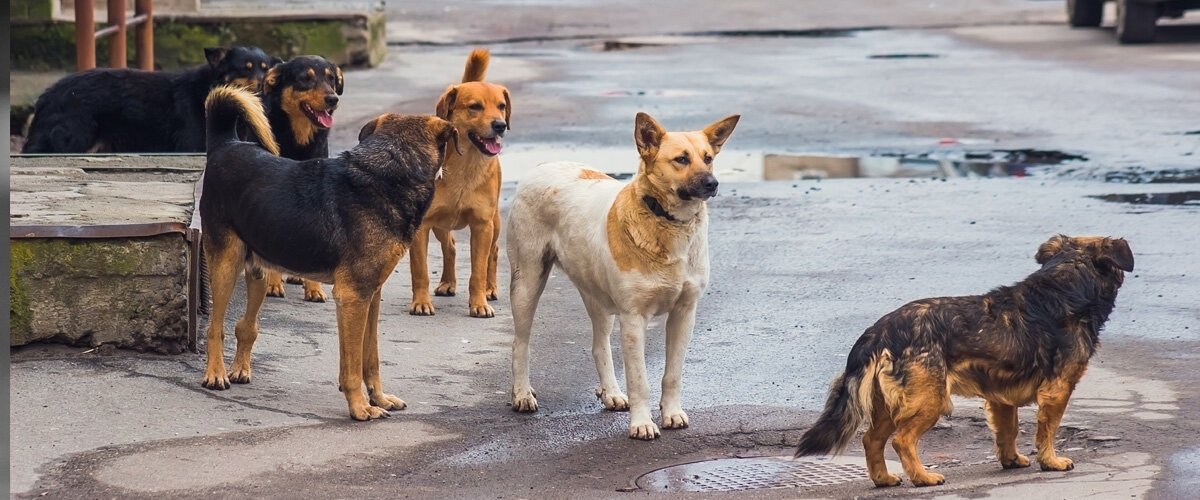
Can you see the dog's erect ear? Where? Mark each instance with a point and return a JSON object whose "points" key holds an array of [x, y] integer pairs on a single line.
{"points": [[272, 78], [215, 55], [507, 110], [341, 83], [370, 127], [718, 132], [1116, 253], [445, 103], [648, 135], [1051, 248]]}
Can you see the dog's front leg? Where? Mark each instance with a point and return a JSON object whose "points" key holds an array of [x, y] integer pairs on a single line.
{"points": [[680, 323], [1052, 401], [633, 349], [352, 313], [422, 303], [481, 250], [370, 362]]}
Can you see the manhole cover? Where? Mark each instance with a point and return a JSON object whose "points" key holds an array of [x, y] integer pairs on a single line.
{"points": [[737, 474]]}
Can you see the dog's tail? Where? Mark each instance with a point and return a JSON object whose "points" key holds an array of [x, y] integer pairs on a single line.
{"points": [[849, 402], [477, 64], [224, 106]]}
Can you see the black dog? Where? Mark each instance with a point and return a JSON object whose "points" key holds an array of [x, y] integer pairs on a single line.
{"points": [[134, 111], [345, 220], [1016, 345], [300, 97]]}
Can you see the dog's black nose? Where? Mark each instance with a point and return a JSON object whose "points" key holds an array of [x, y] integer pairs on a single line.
{"points": [[710, 184], [498, 126], [331, 100]]}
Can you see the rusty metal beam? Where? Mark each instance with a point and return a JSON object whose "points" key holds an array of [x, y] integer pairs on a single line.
{"points": [[116, 17], [144, 36], [104, 231], [85, 39]]}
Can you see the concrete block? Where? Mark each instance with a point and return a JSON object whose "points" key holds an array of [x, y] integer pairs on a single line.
{"points": [[789, 167]]}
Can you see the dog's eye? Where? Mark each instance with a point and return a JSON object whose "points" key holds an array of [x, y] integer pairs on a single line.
{"points": [[476, 107], [500, 106], [264, 65], [681, 159], [708, 159], [249, 65]]}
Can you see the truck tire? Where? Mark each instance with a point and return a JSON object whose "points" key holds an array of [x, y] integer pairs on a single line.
{"points": [[1085, 13], [1135, 21]]}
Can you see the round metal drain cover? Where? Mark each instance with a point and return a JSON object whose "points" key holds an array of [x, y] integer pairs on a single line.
{"points": [[738, 474]]}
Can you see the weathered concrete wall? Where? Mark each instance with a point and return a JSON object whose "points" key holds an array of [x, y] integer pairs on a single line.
{"points": [[129, 292], [349, 40]]}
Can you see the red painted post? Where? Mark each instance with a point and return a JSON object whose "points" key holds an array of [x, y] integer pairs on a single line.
{"points": [[85, 35], [116, 17], [145, 34]]}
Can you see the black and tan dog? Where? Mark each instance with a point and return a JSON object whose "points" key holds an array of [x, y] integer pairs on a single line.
{"points": [[133, 111], [1016, 345], [300, 97], [345, 220]]}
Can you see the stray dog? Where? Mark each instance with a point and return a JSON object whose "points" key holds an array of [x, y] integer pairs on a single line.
{"points": [[300, 97], [468, 195], [1016, 345], [633, 250], [346, 221], [133, 111]]}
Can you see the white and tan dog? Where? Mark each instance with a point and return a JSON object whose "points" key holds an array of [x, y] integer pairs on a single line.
{"points": [[633, 250]]}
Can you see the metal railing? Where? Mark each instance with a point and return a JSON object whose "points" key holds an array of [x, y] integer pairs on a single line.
{"points": [[86, 33]]}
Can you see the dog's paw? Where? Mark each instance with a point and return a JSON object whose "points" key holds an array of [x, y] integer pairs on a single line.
{"points": [[1015, 463], [482, 311], [524, 400], [1057, 463], [295, 280], [388, 402], [421, 308], [215, 380], [491, 294], [674, 420], [646, 432], [445, 290], [368, 412], [928, 479], [887, 480], [613, 401], [314, 293], [240, 375], [275, 289]]}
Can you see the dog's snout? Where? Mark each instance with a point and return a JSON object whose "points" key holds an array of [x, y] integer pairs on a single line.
{"points": [[709, 183], [498, 126], [331, 100]]}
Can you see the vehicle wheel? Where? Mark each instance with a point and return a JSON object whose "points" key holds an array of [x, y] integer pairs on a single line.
{"points": [[1085, 13], [1135, 21]]}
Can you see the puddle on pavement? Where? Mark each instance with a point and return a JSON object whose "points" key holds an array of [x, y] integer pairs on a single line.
{"points": [[1139, 175], [985, 163], [1190, 198], [742, 474]]}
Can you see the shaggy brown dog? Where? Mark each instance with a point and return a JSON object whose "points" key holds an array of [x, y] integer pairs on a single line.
{"points": [[468, 194], [1016, 345]]}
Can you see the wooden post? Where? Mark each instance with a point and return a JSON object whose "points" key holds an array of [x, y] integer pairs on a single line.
{"points": [[145, 34], [116, 17], [85, 35]]}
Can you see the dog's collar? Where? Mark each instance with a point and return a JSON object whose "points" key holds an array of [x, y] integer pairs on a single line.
{"points": [[656, 208]]}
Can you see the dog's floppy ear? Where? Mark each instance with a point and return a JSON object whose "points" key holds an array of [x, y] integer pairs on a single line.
{"points": [[1051, 248], [215, 55], [272, 78], [648, 135], [341, 83], [370, 127], [507, 110], [1116, 253], [445, 133], [718, 132], [445, 103]]}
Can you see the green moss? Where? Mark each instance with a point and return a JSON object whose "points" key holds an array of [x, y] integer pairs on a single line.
{"points": [[19, 313], [180, 45], [31, 9]]}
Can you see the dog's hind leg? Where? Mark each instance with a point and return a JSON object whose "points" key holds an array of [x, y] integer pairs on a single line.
{"points": [[418, 265], [633, 350], [610, 391], [680, 323], [1002, 419], [247, 328], [878, 432], [481, 252], [530, 270], [312, 291], [225, 259], [273, 282], [448, 283], [353, 310], [370, 361], [923, 404], [492, 289]]}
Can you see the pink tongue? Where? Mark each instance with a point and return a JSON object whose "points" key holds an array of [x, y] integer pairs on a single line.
{"points": [[324, 118], [492, 146]]}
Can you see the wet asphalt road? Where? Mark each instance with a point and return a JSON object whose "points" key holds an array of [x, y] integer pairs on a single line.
{"points": [[799, 268]]}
